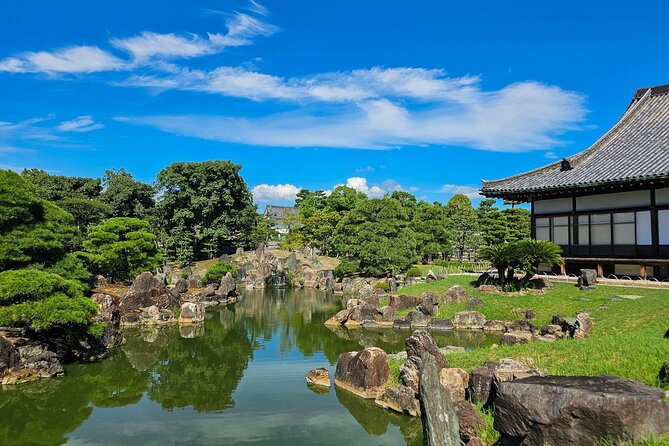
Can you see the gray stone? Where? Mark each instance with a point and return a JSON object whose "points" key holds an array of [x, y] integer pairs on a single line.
{"points": [[100, 282], [575, 410], [455, 294], [409, 375], [495, 325], [587, 279], [401, 399], [474, 303], [470, 420], [401, 324], [512, 338], [208, 291], [392, 285], [400, 302], [385, 315], [191, 313], [440, 422], [9, 357], [417, 318], [481, 383], [419, 344], [228, 287], [431, 276], [440, 324], [522, 325], [180, 286], [319, 377], [330, 283], [193, 281], [469, 320], [148, 291], [110, 314], [577, 327], [364, 373], [429, 304]]}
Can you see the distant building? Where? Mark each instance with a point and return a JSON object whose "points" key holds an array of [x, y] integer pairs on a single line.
{"points": [[608, 206], [283, 218]]}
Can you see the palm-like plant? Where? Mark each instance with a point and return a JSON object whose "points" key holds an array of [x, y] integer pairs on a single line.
{"points": [[533, 252], [502, 257]]}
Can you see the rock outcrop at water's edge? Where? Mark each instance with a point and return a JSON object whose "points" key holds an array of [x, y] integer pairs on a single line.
{"points": [[440, 422], [319, 377], [364, 373]]}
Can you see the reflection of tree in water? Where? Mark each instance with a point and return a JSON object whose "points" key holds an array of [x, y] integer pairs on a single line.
{"points": [[375, 420], [44, 412], [202, 372]]}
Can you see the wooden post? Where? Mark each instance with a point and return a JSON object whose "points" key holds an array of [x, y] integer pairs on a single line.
{"points": [[600, 270], [642, 272], [563, 269]]}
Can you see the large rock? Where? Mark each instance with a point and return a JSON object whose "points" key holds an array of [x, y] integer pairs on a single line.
{"points": [[495, 325], [148, 291], [430, 276], [440, 324], [180, 286], [191, 313], [385, 315], [469, 320], [364, 373], [587, 279], [513, 338], [100, 282], [440, 422], [193, 281], [338, 319], [455, 294], [400, 302], [421, 343], [577, 327], [9, 356], [319, 377], [22, 360], [470, 420], [417, 318], [228, 287], [392, 285], [329, 283], [574, 410], [481, 383], [429, 304], [401, 399], [149, 316], [455, 381], [410, 376], [109, 314]]}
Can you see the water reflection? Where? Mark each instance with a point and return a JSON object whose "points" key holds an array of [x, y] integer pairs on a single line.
{"points": [[237, 378]]}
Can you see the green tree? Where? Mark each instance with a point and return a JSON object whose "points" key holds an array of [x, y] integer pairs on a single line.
{"points": [[433, 237], [464, 227], [492, 223], [377, 235], [533, 252], [517, 223], [309, 202], [317, 230], [121, 248], [203, 203], [343, 199], [126, 196]]}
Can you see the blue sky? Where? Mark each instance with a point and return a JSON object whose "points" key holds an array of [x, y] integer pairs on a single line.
{"points": [[427, 96]]}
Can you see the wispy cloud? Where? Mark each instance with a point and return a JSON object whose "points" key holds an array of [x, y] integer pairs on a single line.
{"points": [[76, 59], [551, 155], [469, 191], [81, 124]]}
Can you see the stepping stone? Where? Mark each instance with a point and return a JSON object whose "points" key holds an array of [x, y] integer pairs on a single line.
{"points": [[629, 296]]}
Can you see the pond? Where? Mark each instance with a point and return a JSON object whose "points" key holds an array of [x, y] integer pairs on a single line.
{"points": [[238, 379]]}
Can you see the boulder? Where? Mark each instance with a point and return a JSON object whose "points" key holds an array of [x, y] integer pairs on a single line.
{"points": [[430, 276], [419, 344], [455, 381], [108, 313], [469, 320], [455, 294], [392, 285], [239, 252], [429, 304], [495, 325], [540, 283], [208, 291], [409, 376], [329, 283], [575, 410], [360, 315], [194, 281], [191, 313], [481, 383], [148, 291], [149, 316], [100, 282], [363, 373], [338, 319], [400, 302], [319, 377], [9, 357], [417, 318], [475, 441], [512, 338], [588, 279], [522, 325], [187, 272], [488, 289], [440, 324], [401, 324], [180, 286], [577, 327], [440, 422], [554, 330], [529, 314], [23, 360], [384, 315], [228, 287], [510, 369], [474, 303], [401, 399], [470, 420]]}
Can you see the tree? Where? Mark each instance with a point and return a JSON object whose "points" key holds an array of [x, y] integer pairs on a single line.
{"points": [[126, 196], [121, 248], [377, 235], [432, 231], [464, 228], [518, 224], [533, 252], [492, 223], [309, 202], [343, 199], [317, 230], [203, 203]]}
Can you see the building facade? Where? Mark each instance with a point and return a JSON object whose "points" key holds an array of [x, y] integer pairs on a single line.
{"points": [[282, 218], [608, 206]]}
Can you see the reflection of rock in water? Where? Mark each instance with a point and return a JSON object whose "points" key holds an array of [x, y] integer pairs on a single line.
{"points": [[144, 345], [375, 420], [321, 390], [191, 331]]}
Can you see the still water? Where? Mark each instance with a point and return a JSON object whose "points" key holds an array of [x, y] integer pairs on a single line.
{"points": [[237, 380]]}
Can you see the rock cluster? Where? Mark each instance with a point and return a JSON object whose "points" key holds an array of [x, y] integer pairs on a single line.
{"points": [[22, 359]]}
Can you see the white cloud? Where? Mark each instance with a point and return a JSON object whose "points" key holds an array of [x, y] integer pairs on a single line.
{"points": [[551, 155], [469, 191], [242, 28], [149, 44], [81, 124], [264, 193], [76, 59], [360, 184]]}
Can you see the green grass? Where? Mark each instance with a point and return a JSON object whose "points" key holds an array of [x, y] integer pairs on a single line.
{"points": [[627, 338]]}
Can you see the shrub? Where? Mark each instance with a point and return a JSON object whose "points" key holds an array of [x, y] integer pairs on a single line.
{"points": [[22, 285], [347, 268], [414, 272], [382, 286], [216, 272]]}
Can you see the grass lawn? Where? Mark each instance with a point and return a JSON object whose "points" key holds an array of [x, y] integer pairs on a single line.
{"points": [[627, 339]]}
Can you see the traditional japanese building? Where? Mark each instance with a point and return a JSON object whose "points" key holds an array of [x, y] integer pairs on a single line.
{"points": [[608, 206], [282, 218]]}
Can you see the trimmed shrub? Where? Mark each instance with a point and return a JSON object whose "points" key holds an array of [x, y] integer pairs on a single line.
{"points": [[414, 272], [216, 273]]}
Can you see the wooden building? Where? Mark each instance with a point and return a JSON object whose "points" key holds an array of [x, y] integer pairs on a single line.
{"points": [[608, 206], [283, 218]]}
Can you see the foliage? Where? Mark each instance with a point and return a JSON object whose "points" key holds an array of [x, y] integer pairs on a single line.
{"points": [[32, 230], [310, 202], [71, 267], [385, 286], [121, 248], [262, 232], [414, 272], [125, 196], [32, 284], [216, 272], [509, 225], [463, 225], [524, 255], [203, 204], [433, 237], [347, 268]]}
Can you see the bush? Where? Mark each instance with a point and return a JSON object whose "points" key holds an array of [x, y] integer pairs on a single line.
{"points": [[22, 285], [216, 273], [347, 268], [382, 286], [414, 272]]}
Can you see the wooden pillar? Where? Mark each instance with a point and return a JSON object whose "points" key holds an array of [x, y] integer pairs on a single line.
{"points": [[600, 270], [563, 269], [642, 272]]}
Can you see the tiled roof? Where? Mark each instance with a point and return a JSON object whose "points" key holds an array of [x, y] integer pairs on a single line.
{"points": [[636, 148], [279, 213]]}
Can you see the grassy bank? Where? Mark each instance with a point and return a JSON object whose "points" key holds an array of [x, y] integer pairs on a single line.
{"points": [[627, 339]]}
